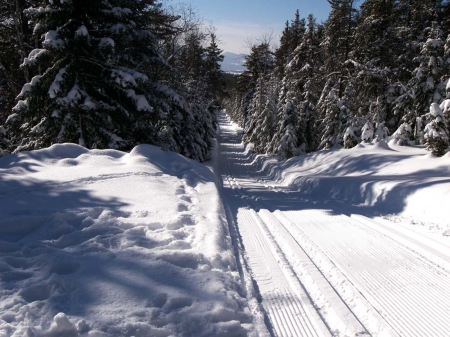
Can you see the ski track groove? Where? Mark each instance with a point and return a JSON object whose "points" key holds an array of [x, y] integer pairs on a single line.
{"points": [[281, 303], [397, 307], [340, 311], [286, 313], [388, 287], [389, 304]]}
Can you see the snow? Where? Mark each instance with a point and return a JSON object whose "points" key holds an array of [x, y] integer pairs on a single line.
{"points": [[28, 86], [140, 100], [340, 242], [21, 105], [327, 238], [55, 87], [382, 178], [126, 77], [51, 40], [435, 110], [119, 11], [433, 43], [38, 127], [106, 41], [117, 28], [75, 94], [107, 243], [33, 57], [82, 31]]}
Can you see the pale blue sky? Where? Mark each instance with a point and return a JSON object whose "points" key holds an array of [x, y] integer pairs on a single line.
{"points": [[240, 20]]}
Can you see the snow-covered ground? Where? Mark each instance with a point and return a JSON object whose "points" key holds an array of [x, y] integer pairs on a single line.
{"points": [[104, 243], [334, 243], [343, 242]]}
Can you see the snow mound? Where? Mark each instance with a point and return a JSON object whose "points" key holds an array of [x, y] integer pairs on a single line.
{"points": [[382, 145], [378, 179], [107, 243]]}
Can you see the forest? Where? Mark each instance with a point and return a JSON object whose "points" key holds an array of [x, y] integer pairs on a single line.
{"points": [[374, 73], [107, 74], [115, 74]]}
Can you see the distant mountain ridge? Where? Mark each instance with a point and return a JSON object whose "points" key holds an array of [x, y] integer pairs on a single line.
{"points": [[233, 63]]}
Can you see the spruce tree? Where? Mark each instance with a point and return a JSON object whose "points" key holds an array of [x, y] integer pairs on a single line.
{"points": [[214, 74], [337, 117], [425, 85], [15, 36], [91, 87], [338, 40], [436, 132], [285, 142], [282, 54], [296, 32]]}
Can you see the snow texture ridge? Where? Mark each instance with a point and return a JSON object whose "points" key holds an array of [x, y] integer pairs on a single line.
{"points": [[107, 243]]}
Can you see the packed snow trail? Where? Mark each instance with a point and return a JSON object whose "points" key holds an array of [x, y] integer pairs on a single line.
{"points": [[320, 272]]}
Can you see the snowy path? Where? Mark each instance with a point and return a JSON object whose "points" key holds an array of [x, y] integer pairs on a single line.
{"points": [[321, 271]]}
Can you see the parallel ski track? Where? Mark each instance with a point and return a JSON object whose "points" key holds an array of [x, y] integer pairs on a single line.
{"points": [[410, 292], [388, 289], [286, 303], [283, 297]]}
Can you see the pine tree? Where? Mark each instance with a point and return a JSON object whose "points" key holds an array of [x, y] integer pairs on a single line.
{"points": [[91, 87], [214, 74], [425, 85], [285, 142], [15, 34], [296, 32], [436, 132], [282, 54], [338, 40]]}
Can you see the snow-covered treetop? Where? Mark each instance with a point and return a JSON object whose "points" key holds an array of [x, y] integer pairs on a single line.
{"points": [[435, 110]]}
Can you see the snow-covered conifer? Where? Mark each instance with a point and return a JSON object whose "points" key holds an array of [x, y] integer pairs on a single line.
{"points": [[367, 132], [436, 133], [91, 87], [214, 74], [425, 86], [403, 135], [331, 123]]}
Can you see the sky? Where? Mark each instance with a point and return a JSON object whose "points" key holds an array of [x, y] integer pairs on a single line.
{"points": [[239, 21]]}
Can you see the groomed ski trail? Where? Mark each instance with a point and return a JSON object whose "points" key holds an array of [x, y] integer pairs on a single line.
{"points": [[319, 272]]}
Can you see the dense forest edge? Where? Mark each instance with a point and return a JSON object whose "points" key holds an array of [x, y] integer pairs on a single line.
{"points": [[107, 74], [371, 73], [115, 74]]}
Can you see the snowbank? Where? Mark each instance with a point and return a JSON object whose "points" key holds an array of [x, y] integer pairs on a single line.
{"points": [[376, 180], [105, 243]]}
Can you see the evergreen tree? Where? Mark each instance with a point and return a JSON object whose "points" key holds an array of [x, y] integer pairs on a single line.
{"points": [[214, 74], [259, 63], [337, 117], [338, 39], [91, 88], [15, 34], [285, 142], [436, 132], [296, 32], [282, 54], [191, 125], [260, 132], [424, 87]]}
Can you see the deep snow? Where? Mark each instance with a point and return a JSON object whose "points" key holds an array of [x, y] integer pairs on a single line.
{"points": [[405, 184], [105, 243]]}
